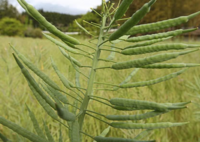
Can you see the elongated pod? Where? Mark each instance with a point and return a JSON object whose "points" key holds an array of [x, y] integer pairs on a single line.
{"points": [[112, 139], [37, 71], [150, 42], [60, 44], [124, 125], [121, 10], [65, 114], [137, 63], [154, 81], [160, 35], [34, 84], [23, 132], [134, 117], [138, 104], [38, 17], [169, 65], [75, 133], [157, 48], [136, 17], [161, 24]]}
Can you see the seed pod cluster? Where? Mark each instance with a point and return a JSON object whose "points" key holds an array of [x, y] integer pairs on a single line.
{"points": [[136, 17], [156, 48], [137, 63], [161, 24], [160, 35]]}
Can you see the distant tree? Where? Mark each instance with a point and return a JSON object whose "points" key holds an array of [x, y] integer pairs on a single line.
{"points": [[8, 10], [90, 18], [11, 27]]}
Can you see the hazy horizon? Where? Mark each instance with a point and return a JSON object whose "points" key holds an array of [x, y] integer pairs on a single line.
{"points": [[73, 7]]}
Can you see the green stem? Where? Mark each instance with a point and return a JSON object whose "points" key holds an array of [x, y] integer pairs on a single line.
{"points": [[97, 118], [92, 74], [101, 102], [106, 84]]}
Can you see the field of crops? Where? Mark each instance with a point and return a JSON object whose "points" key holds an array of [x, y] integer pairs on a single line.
{"points": [[15, 93]]}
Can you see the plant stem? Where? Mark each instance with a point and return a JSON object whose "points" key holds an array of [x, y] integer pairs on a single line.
{"points": [[92, 74]]}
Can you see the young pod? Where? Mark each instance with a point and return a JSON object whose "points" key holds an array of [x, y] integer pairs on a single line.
{"points": [[75, 132], [38, 17], [123, 108], [34, 84], [23, 132], [112, 139], [65, 114], [156, 48], [169, 65], [134, 117], [136, 17], [160, 35], [60, 44], [154, 81], [144, 28], [121, 10], [150, 42], [137, 63], [138, 104], [38, 72], [124, 125]]}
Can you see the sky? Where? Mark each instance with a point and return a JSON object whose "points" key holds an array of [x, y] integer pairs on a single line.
{"points": [[73, 7]]}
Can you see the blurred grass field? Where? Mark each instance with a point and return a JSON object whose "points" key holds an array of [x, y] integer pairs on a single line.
{"points": [[14, 91]]}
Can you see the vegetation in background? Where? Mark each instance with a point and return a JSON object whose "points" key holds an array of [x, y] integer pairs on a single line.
{"points": [[73, 101], [11, 27]]}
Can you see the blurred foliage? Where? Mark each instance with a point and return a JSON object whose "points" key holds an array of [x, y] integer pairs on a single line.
{"points": [[33, 32], [7, 10], [89, 17], [11, 27]]}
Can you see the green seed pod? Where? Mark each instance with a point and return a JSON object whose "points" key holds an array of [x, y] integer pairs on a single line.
{"points": [[65, 114], [37, 16], [122, 9], [112, 139], [123, 108], [161, 24], [156, 48], [169, 65], [43, 103], [123, 125], [137, 63], [48, 133], [3, 138], [38, 72], [154, 81], [138, 104], [68, 57], [60, 44], [64, 80], [35, 124], [23, 132], [160, 35], [135, 117], [136, 17], [34, 84], [147, 43], [75, 133]]}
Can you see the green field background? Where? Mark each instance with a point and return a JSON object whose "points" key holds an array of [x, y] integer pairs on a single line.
{"points": [[15, 93]]}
